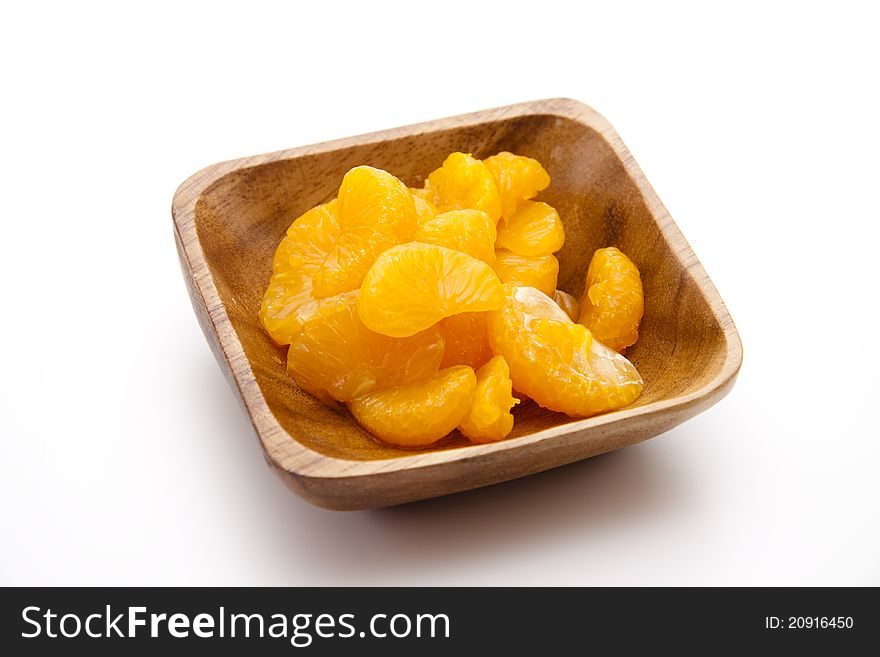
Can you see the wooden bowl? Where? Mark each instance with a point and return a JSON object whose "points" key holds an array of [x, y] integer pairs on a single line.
{"points": [[229, 218]]}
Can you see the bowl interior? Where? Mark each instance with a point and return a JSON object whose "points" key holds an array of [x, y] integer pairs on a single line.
{"points": [[242, 216]]}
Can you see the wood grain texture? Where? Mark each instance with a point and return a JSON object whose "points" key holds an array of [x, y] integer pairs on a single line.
{"points": [[229, 218]]}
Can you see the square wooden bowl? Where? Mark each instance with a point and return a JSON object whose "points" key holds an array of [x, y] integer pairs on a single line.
{"points": [[229, 217]]}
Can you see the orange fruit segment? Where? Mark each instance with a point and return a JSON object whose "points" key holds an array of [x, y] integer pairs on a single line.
{"points": [[308, 239], [533, 230], [418, 414], [335, 355], [287, 303], [422, 193], [468, 231], [289, 298], [425, 210], [464, 183], [518, 178], [533, 271], [557, 362], [375, 211], [281, 259], [568, 303], [413, 286], [489, 417], [613, 301], [467, 341], [312, 236]]}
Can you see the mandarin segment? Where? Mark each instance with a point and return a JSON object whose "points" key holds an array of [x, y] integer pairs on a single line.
{"points": [[281, 259], [335, 354], [313, 235], [289, 297], [370, 200], [464, 183], [422, 193], [540, 272], [613, 301], [533, 230], [286, 304], [469, 231], [375, 211], [419, 414], [568, 303], [489, 418], [467, 340], [425, 210], [518, 178], [413, 286], [557, 362], [309, 238]]}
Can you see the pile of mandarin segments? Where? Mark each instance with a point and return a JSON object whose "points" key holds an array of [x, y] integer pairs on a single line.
{"points": [[435, 309]]}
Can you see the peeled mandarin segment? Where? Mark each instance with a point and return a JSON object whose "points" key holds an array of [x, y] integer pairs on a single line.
{"points": [[464, 183], [413, 286], [373, 200], [564, 341], [336, 355], [375, 211], [281, 259], [425, 210], [287, 302], [419, 414], [423, 193], [532, 304], [489, 418], [467, 342], [313, 235], [557, 362], [532, 271], [289, 298], [468, 231], [308, 239], [517, 178], [568, 303], [613, 302], [534, 230]]}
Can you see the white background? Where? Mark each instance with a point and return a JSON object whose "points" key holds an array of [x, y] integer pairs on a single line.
{"points": [[125, 458]]}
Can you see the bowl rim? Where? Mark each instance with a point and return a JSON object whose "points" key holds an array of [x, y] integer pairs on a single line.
{"points": [[284, 450]]}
